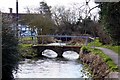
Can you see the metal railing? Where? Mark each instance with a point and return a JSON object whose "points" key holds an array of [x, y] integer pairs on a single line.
{"points": [[34, 39]]}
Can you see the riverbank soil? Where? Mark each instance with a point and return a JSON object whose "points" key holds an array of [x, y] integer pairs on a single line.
{"points": [[97, 66], [114, 75], [115, 57]]}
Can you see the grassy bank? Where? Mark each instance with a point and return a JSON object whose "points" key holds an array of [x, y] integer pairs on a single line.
{"points": [[106, 58], [26, 51], [98, 44], [98, 63], [114, 48]]}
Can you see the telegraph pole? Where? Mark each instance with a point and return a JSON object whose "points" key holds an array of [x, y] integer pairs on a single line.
{"points": [[16, 19]]}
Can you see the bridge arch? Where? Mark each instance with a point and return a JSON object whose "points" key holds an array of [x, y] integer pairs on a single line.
{"points": [[49, 53], [52, 53], [58, 49], [70, 55]]}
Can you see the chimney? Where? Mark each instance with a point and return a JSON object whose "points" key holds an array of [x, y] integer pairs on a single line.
{"points": [[10, 10]]}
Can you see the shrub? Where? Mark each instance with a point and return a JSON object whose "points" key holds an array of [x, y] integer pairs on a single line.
{"points": [[9, 53], [96, 42]]}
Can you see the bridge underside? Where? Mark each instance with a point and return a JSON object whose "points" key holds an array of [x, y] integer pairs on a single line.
{"points": [[58, 49]]}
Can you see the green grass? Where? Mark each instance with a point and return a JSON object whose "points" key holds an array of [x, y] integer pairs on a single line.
{"points": [[26, 50], [114, 48], [27, 39], [106, 58], [95, 43], [24, 46], [98, 44]]}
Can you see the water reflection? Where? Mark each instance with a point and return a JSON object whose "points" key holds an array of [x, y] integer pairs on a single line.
{"points": [[49, 53], [71, 55], [67, 54]]}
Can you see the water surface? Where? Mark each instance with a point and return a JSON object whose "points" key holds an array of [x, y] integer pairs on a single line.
{"points": [[52, 67]]}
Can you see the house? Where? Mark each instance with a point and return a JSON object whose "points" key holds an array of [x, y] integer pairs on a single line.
{"points": [[13, 19]]}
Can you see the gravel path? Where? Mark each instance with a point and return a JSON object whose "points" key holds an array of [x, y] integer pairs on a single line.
{"points": [[114, 56]]}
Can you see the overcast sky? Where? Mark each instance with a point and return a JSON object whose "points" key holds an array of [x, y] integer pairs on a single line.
{"points": [[5, 4]]}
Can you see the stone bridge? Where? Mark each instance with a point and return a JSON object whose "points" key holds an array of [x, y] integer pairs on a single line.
{"points": [[58, 49]]}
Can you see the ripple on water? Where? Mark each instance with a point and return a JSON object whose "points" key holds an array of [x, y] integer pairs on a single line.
{"points": [[51, 68]]}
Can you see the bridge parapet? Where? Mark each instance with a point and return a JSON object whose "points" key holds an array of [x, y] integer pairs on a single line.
{"points": [[44, 39]]}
